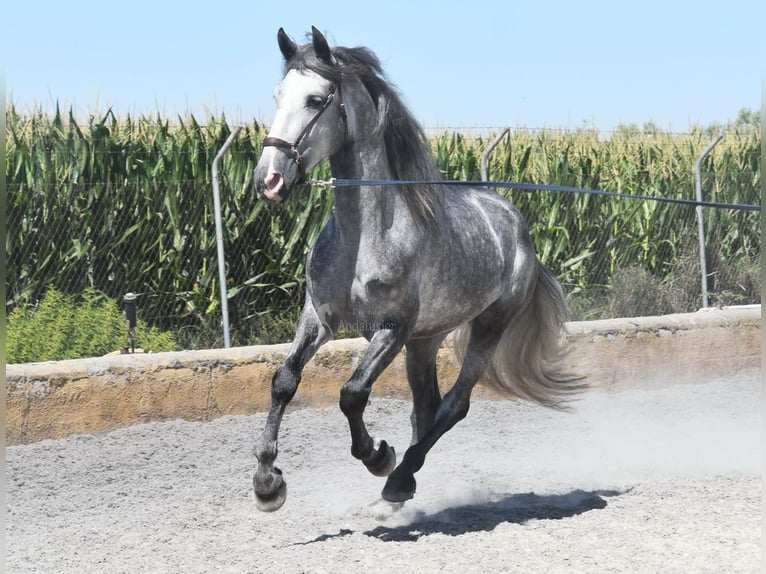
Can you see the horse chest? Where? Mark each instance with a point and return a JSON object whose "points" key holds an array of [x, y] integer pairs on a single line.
{"points": [[353, 282], [364, 279]]}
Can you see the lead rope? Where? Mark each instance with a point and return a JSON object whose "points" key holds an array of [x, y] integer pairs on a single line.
{"points": [[334, 183]]}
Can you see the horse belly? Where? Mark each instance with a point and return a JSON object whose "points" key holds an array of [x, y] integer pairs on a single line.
{"points": [[446, 302], [478, 265]]}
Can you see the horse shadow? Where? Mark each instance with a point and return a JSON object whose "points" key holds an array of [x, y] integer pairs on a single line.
{"points": [[486, 516]]}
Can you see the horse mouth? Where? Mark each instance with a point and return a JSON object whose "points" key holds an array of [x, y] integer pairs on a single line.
{"points": [[273, 186]]}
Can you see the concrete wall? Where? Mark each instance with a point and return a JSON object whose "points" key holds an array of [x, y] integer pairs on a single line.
{"points": [[56, 399]]}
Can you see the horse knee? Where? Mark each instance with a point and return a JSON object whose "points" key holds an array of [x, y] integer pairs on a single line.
{"points": [[352, 399], [284, 384]]}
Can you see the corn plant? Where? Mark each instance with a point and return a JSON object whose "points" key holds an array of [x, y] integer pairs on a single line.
{"points": [[587, 239], [125, 204]]}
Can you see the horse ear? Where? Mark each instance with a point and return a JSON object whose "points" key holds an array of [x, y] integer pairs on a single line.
{"points": [[286, 45], [321, 47]]}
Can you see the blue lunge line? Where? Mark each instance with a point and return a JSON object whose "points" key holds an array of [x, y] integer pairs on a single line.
{"points": [[336, 183]]}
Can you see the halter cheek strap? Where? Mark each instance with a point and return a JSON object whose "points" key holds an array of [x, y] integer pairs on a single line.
{"points": [[292, 148]]}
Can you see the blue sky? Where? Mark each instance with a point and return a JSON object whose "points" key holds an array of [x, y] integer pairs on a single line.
{"points": [[480, 63]]}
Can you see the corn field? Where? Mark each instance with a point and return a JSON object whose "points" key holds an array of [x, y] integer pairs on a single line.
{"points": [[125, 204]]}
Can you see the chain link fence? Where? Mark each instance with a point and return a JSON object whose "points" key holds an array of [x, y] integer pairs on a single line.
{"points": [[123, 205]]}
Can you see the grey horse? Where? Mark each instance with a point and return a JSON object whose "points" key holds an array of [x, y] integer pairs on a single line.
{"points": [[407, 265]]}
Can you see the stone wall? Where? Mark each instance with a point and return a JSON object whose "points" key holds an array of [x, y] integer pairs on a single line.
{"points": [[56, 399]]}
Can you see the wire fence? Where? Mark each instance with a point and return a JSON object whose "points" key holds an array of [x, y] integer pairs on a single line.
{"points": [[129, 208]]}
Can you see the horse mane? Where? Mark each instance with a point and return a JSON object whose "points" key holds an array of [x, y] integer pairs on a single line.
{"points": [[408, 151]]}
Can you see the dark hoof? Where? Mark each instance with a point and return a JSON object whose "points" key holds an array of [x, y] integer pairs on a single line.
{"points": [[399, 489], [382, 461], [270, 494]]}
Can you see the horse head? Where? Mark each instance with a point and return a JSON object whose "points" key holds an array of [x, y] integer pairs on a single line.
{"points": [[310, 120]]}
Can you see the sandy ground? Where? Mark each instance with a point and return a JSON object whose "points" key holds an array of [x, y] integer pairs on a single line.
{"points": [[634, 481]]}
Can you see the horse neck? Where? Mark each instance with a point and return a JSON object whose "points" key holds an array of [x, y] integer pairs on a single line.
{"points": [[369, 207]]}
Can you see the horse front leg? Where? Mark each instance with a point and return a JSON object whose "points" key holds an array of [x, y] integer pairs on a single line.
{"points": [[268, 482], [377, 456]]}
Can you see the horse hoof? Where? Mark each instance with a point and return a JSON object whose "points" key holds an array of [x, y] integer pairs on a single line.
{"points": [[382, 461], [399, 490], [273, 500]]}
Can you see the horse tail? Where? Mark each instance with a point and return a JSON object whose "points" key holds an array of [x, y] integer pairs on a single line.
{"points": [[528, 361]]}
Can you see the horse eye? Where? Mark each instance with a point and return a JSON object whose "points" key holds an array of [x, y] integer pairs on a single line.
{"points": [[314, 102]]}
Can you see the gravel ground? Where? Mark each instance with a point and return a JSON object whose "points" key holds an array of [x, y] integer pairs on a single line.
{"points": [[634, 481]]}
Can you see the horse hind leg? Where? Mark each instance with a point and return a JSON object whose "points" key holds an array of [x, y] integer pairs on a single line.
{"points": [[421, 375], [484, 338], [268, 483]]}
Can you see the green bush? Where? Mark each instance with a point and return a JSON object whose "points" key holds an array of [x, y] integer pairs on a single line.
{"points": [[277, 326], [71, 327]]}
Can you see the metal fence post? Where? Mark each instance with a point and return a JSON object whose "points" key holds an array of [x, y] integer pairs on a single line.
{"points": [[485, 155], [700, 222], [219, 237]]}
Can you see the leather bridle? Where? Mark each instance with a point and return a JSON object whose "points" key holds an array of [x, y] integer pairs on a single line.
{"points": [[292, 148]]}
